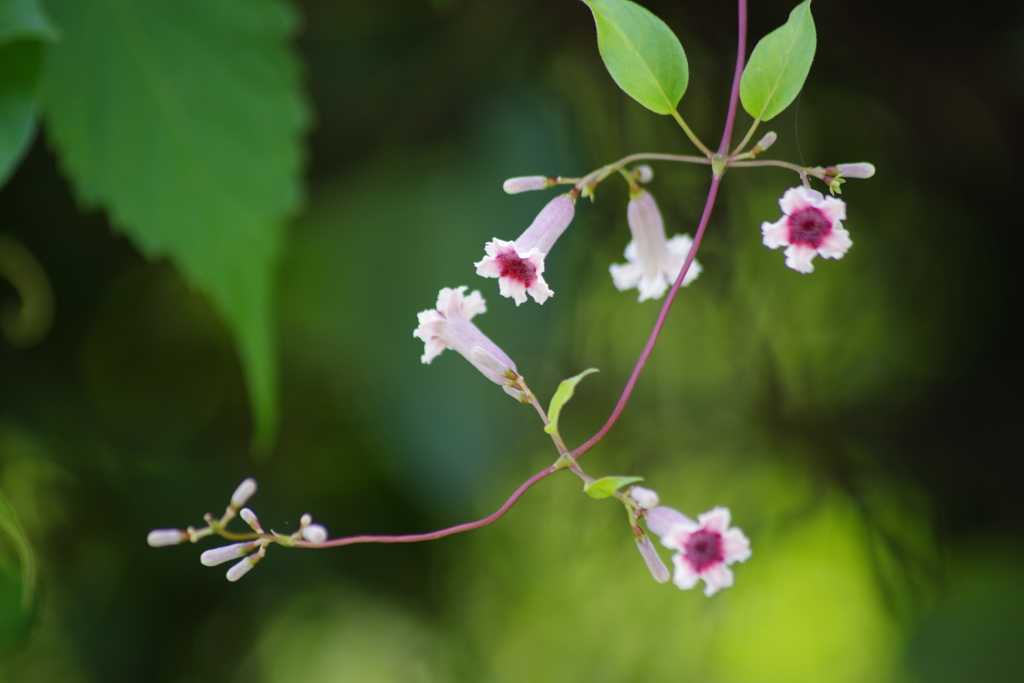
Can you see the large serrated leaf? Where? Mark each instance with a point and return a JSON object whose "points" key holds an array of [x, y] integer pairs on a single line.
{"points": [[779, 65], [641, 53], [183, 119]]}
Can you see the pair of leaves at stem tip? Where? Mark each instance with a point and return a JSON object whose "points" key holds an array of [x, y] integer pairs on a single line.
{"points": [[646, 59]]}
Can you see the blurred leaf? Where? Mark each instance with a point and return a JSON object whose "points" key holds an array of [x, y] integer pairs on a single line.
{"points": [[779, 65], [22, 24], [562, 395], [183, 119], [641, 53], [10, 526], [24, 19], [605, 487]]}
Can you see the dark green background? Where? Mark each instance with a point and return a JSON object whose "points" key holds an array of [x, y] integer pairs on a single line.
{"points": [[861, 422]]}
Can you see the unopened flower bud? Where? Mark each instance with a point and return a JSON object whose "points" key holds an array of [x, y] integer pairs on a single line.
{"points": [[305, 520], [645, 498], [242, 568], [861, 170], [215, 556], [249, 517], [158, 538], [243, 493], [526, 184], [315, 533], [654, 562], [767, 141], [643, 174]]}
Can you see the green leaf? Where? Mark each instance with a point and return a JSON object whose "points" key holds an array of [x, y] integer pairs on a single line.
{"points": [[605, 487], [183, 119], [11, 527], [779, 65], [641, 53], [565, 391], [24, 19], [20, 64]]}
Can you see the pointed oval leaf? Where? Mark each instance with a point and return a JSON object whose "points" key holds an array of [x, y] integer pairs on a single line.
{"points": [[565, 391], [20, 63], [641, 53], [605, 487], [779, 65], [184, 120]]}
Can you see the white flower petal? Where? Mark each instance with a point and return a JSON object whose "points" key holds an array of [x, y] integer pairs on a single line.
{"points": [[715, 520], [716, 577], [735, 546], [798, 257], [684, 577], [835, 244], [776, 234]]}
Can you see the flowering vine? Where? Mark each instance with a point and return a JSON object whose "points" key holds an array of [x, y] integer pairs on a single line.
{"points": [[646, 60]]}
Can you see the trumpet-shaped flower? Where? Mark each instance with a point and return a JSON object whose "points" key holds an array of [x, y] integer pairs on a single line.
{"points": [[653, 262], [704, 549], [810, 225], [449, 326], [519, 264]]}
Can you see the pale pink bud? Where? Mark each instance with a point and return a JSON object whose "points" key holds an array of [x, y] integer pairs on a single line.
{"points": [[645, 498], [450, 327], [654, 562], [643, 174], [242, 568], [243, 493], [526, 184], [215, 556], [158, 538], [764, 143], [249, 517], [305, 520], [860, 170], [519, 264], [315, 533], [653, 262]]}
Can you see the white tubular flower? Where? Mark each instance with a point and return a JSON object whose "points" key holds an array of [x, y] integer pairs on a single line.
{"points": [[645, 498], [654, 262], [704, 549], [215, 556], [526, 184], [243, 493], [810, 225], [861, 170], [519, 264], [449, 327], [159, 538], [315, 533], [654, 562]]}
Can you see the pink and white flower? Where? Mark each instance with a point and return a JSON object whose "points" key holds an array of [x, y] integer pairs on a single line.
{"points": [[653, 262], [449, 326], [519, 264], [810, 225], [704, 549]]}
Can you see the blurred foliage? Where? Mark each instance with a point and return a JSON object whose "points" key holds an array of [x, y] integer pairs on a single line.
{"points": [[860, 422]]}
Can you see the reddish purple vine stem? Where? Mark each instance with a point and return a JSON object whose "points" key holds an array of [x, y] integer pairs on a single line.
{"points": [[723, 149]]}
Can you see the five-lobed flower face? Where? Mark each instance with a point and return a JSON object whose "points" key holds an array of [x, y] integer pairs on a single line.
{"points": [[519, 264], [653, 262], [704, 549], [810, 225]]}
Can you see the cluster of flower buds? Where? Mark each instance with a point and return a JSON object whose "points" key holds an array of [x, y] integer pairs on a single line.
{"points": [[704, 549], [250, 548]]}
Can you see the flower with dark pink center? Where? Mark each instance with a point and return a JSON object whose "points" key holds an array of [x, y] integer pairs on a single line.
{"points": [[704, 549], [519, 264], [810, 225]]}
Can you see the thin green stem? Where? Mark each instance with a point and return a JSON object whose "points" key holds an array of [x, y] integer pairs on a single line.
{"points": [[689, 133], [746, 138]]}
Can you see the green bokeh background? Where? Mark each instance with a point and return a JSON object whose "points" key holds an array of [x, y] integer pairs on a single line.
{"points": [[862, 422]]}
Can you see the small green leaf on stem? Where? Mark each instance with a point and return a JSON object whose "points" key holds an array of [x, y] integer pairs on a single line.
{"points": [[565, 391], [641, 53], [779, 65], [605, 487]]}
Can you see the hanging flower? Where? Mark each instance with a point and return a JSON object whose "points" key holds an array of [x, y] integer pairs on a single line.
{"points": [[810, 225], [449, 326], [519, 264], [654, 262], [704, 549]]}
